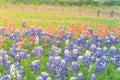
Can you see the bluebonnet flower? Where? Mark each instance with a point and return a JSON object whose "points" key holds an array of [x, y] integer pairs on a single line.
{"points": [[35, 65], [5, 61], [81, 76], [42, 35], [17, 40], [41, 50], [93, 77], [86, 59], [5, 77], [70, 46], [98, 53], [14, 35], [81, 39], [57, 66], [113, 39], [55, 51], [118, 60], [90, 30], [58, 43], [75, 54], [74, 78], [39, 78], [34, 51], [101, 64], [49, 41], [93, 59], [31, 32], [104, 50], [87, 44], [75, 46], [112, 60], [93, 47], [63, 68], [57, 60], [112, 51], [100, 67], [80, 58], [37, 40], [68, 36], [107, 41], [17, 54], [44, 75], [95, 39], [16, 71], [39, 30], [37, 51], [67, 56], [75, 66], [97, 60], [58, 51], [23, 24]]}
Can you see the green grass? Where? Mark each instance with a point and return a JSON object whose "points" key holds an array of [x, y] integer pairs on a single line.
{"points": [[45, 19]]}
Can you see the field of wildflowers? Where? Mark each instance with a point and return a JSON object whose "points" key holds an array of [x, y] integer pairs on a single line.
{"points": [[66, 53]]}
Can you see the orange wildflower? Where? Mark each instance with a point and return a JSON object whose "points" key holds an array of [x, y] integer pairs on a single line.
{"points": [[32, 38], [59, 32], [21, 43], [47, 37], [2, 38]]}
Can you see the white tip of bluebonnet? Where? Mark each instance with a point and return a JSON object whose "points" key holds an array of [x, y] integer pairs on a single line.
{"points": [[67, 42], [105, 48], [39, 78], [88, 53], [44, 73], [63, 62], [73, 78], [49, 78], [80, 58], [57, 58], [113, 48], [80, 74], [118, 69]]}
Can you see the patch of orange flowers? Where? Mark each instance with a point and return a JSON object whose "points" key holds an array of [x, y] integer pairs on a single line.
{"points": [[2, 38]]}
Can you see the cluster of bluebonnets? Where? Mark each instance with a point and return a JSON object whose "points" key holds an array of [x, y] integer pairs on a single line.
{"points": [[65, 56]]}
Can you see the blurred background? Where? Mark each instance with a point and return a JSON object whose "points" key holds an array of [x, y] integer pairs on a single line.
{"points": [[104, 8], [57, 11]]}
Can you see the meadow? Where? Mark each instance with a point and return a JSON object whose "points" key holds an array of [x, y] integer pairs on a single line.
{"points": [[45, 19], [47, 50]]}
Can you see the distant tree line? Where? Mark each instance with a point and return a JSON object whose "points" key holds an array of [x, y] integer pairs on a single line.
{"points": [[64, 2]]}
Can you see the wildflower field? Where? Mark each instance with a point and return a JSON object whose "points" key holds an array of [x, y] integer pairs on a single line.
{"points": [[58, 47]]}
